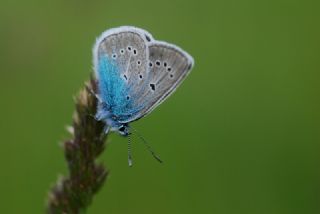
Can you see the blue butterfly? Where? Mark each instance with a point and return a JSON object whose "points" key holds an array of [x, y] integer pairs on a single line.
{"points": [[135, 74]]}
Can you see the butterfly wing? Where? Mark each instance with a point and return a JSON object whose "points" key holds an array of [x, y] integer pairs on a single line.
{"points": [[120, 62], [168, 67], [135, 72]]}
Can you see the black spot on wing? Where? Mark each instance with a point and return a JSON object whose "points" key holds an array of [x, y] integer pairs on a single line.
{"points": [[153, 86], [148, 38]]}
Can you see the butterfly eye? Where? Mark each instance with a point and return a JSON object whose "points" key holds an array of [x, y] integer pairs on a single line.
{"points": [[140, 76], [139, 62], [129, 48], [158, 63], [114, 56], [169, 69], [134, 51], [165, 64], [122, 129], [150, 64], [171, 76], [122, 51]]}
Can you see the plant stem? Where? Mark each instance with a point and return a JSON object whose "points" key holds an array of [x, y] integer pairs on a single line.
{"points": [[73, 194]]}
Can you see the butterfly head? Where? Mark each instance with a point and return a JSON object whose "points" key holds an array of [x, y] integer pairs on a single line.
{"points": [[124, 130]]}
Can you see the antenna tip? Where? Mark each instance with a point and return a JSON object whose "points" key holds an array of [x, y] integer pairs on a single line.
{"points": [[130, 162], [157, 158]]}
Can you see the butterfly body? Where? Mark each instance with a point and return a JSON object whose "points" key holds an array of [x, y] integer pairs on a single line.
{"points": [[135, 74]]}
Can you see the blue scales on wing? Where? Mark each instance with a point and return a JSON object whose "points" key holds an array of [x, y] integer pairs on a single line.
{"points": [[120, 60], [113, 90]]}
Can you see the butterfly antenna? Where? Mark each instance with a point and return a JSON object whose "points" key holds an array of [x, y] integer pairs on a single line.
{"points": [[129, 151], [147, 145]]}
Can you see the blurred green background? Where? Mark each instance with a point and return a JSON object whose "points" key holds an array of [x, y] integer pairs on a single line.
{"points": [[241, 134]]}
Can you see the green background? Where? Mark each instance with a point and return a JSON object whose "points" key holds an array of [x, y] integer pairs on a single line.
{"points": [[241, 134]]}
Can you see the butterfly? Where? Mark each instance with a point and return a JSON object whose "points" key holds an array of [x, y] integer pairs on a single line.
{"points": [[135, 74]]}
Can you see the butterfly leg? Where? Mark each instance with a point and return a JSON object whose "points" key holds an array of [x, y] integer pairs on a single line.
{"points": [[148, 146], [106, 129], [90, 90]]}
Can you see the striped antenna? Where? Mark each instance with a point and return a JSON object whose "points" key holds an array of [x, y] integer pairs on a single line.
{"points": [[129, 151]]}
